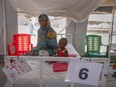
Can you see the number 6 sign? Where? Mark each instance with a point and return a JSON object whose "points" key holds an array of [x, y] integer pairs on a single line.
{"points": [[84, 72]]}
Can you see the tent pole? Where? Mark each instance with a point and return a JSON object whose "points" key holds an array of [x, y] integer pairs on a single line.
{"points": [[112, 28], [4, 27]]}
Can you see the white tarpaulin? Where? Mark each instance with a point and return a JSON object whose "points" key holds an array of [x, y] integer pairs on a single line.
{"points": [[78, 10], [1, 28], [8, 24]]}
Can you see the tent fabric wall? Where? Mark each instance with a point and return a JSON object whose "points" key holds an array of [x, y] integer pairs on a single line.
{"points": [[70, 29], [11, 21], [108, 3], [1, 28], [77, 10], [8, 24], [78, 36]]}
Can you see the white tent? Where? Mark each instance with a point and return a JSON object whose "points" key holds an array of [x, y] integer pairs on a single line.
{"points": [[76, 10]]}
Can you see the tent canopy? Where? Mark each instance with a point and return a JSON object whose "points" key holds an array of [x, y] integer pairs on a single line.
{"points": [[77, 10]]}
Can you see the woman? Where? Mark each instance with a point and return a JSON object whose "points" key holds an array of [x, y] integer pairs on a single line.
{"points": [[46, 37]]}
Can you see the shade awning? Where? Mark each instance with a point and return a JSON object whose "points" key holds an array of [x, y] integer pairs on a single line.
{"points": [[77, 10]]}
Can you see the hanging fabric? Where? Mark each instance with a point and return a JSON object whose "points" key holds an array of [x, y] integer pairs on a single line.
{"points": [[77, 10]]}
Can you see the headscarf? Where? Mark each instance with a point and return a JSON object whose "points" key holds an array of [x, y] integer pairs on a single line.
{"points": [[44, 17]]}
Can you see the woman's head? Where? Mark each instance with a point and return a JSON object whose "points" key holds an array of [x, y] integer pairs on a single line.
{"points": [[63, 42], [43, 20]]}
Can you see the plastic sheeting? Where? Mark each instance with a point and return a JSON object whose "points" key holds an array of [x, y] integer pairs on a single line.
{"points": [[77, 10], [8, 25], [1, 28], [78, 32]]}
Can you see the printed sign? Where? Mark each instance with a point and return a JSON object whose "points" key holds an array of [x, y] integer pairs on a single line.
{"points": [[16, 69]]}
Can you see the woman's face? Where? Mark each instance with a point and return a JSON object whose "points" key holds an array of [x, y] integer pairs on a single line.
{"points": [[43, 23]]}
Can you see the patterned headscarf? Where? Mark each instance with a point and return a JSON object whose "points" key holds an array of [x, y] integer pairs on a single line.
{"points": [[44, 17]]}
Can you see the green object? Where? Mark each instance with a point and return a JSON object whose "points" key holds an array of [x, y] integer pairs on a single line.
{"points": [[93, 44]]}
